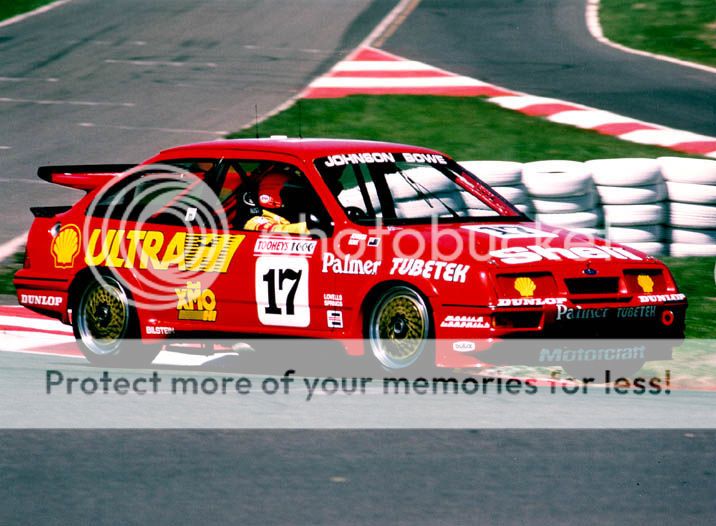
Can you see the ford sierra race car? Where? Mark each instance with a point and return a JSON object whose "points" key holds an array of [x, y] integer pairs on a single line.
{"points": [[396, 250]]}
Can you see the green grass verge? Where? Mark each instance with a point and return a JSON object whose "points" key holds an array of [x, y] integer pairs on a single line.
{"points": [[695, 277], [9, 8], [7, 272], [683, 29], [465, 128]]}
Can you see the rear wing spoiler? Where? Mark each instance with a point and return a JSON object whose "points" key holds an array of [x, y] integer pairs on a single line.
{"points": [[85, 177]]}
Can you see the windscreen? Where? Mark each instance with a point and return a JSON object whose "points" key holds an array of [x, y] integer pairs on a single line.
{"points": [[408, 187]]}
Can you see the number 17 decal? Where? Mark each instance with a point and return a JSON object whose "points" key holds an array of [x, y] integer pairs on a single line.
{"points": [[282, 291]]}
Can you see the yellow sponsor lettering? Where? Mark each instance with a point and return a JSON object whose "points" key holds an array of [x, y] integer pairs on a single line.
{"points": [[149, 249], [151, 245], [196, 304]]}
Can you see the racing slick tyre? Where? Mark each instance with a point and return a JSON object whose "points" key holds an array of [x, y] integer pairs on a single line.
{"points": [[516, 194], [700, 194], [692, 216], [556, 178], [632, 215], [635, 234], [625, 172], [106, 326], [653, 248], [638, 195], [575, 220], [397, 328], [688, 249], [691, 236], [685, 170], [566, 204]]}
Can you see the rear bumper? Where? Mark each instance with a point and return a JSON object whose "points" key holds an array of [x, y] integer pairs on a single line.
{"points": [[42, 294]]}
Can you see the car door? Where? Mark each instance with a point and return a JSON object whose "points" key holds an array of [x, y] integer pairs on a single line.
{"points": [[275, 284]]}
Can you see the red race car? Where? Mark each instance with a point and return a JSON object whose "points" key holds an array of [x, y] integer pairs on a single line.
{"points": [[384, 246]]}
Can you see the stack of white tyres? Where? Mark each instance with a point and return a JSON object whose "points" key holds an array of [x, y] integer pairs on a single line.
{"points": [[563, 195], [632, 193], [505, 177], [691, 186]]}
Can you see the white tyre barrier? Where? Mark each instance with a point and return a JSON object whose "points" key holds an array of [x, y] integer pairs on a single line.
{"points": [[495, 173], [692, 216], [516, 194], [688, 249], [623, 195], [590, 232], [701, 194], [653, 248], [691, 236], [635, 234], [624, 172], [685, 170], [556, 178], [576, 220], [566, 204], [526, 209], [630, 215]]}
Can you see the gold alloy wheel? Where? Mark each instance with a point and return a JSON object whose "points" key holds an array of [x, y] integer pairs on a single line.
{"points": [[398, 328], [103, 317]]}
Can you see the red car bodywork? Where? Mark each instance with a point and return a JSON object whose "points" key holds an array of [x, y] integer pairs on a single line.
{"points": [[531, 280]]}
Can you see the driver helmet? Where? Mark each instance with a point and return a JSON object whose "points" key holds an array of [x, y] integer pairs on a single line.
{"points": [[270, 188]]}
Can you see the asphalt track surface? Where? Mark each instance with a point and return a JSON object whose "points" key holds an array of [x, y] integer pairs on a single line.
{"points": [[300, 477], [100, 82], [543, 47], [357, 477]]}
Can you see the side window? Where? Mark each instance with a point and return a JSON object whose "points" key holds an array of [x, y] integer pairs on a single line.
{"points": [[180, 195], [275, 197], [356, 192]]}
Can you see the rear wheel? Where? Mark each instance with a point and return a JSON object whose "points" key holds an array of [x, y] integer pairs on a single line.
{"points": [[397, 328], [106, 326]]}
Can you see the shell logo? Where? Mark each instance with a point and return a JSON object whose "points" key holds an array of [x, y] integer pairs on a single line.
{"points": [[525, 286], [65, 246], [646, 283]]}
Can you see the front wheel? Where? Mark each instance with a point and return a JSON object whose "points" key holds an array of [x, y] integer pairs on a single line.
{"points": [[106, 326], [398, 327]]}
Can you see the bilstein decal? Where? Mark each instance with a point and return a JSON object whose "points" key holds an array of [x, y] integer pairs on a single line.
{"points": [[65, 246], [150, 249]]}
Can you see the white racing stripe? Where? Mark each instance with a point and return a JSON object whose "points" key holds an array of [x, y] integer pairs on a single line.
{"points": [[67, 102], [149, 128], [522, 101], [595, 28], [45, 324], [382, 65], [36, 342], [663, 137], [28, 79], [10, 247], [39, 10], [170, 63], [404, 82], [589, 118]]}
